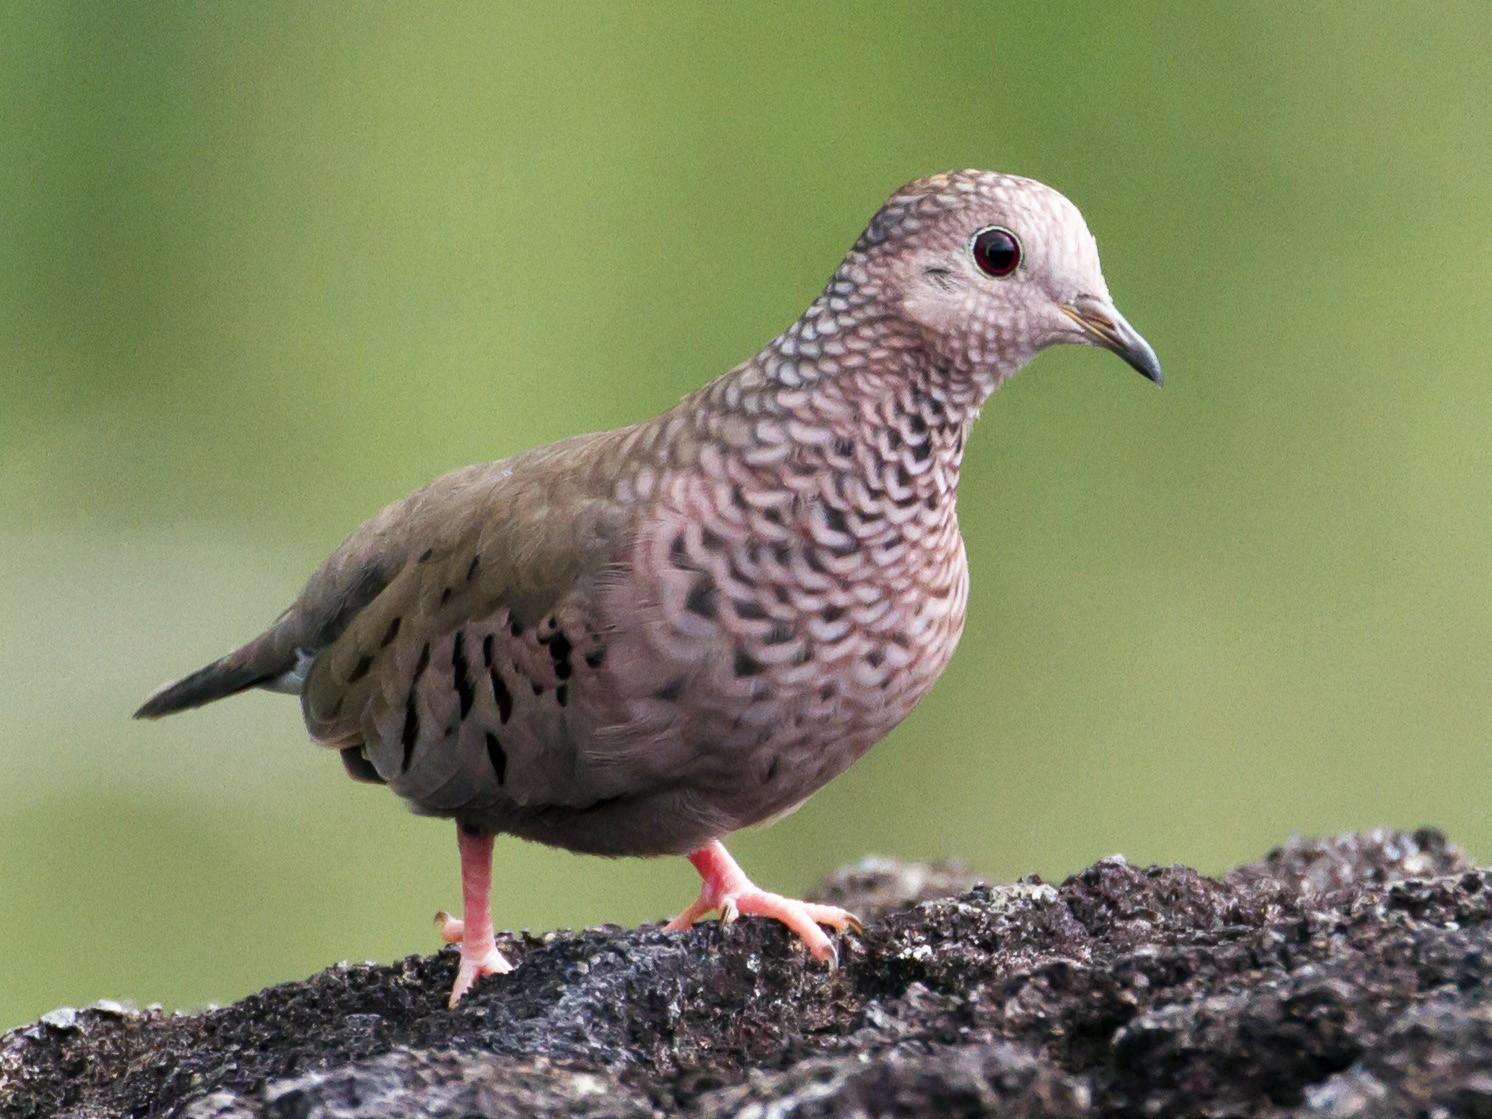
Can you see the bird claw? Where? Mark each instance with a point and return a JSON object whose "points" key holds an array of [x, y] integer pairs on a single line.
{"points": [[801, 917], [473, 967], [724, 886]]}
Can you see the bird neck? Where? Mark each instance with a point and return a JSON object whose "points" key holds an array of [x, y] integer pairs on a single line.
{"points": [[867, 407]]}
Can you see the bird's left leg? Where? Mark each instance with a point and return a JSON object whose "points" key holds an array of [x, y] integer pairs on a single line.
{"points": [[725, 887], [479, 954]]}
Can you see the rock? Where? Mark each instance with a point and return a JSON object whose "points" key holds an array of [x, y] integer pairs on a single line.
{"points": [[1340, 977]]}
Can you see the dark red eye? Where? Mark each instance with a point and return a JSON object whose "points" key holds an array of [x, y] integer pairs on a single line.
{"points": [[996, 251]]}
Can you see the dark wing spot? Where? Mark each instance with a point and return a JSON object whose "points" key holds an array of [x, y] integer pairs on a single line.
{"points": [[747, 665], [390, 633], [445, 596], [424, 663], [460, 674], [781, 633], [498, 757], [826, 691], [712, 541], [920, 451], [771, 771], [411, 730], [538, 688], [834, 518], [701, 598], [559, 653], [501, 694], [360, 670], [678, 556], [670, 691], [832, 613], [515, 627], [562, 694], [487, 651], [473, 567], [876, 657], [426, 554], [594, 659]]}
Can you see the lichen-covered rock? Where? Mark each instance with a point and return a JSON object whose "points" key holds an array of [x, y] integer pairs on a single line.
{"points": [[1344, 977]]}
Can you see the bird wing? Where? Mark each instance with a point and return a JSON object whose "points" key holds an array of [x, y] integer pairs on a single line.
{"points": [[462, 679]]}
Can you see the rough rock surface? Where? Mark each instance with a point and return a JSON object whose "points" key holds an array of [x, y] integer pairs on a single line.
{"points": [[1344, 977]]}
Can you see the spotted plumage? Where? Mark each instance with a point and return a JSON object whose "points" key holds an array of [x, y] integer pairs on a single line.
{"points": [[639, 641]]}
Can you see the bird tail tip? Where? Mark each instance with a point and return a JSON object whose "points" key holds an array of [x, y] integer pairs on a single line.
{"points": [[218, 680]]}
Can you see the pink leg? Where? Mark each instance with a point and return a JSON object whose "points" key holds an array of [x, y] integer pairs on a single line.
{"points": [[479, 954], [725, 887]]}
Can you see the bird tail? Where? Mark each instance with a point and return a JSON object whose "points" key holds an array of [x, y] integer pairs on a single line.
{"points": [[260, 663]]}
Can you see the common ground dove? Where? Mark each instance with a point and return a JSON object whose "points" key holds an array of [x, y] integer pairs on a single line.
{"points": [[636, 642]]}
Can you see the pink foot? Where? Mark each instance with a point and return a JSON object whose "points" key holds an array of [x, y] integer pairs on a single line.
{"points": [[725, 887], [479, 954]]}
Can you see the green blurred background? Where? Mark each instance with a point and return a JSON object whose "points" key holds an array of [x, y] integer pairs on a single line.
{"points": [[264, 268]]}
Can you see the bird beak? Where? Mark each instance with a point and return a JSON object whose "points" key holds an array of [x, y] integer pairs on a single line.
{"points": [[1105, 326]]}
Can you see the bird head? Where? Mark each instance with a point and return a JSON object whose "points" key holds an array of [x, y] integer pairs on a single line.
{"points": [[988, 270]]}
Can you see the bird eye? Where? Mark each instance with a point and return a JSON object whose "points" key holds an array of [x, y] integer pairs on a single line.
{"points": [[996, 251]]}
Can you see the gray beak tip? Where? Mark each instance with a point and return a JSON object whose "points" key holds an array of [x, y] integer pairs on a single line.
{"points": [[1146, 363], [1105, 326]]}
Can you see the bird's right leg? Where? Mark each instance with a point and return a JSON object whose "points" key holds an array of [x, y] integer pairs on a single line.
{"points": [[479, 954], [724, 886]]}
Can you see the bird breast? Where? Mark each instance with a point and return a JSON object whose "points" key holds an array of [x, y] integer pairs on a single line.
{"points": [[772, 622]]}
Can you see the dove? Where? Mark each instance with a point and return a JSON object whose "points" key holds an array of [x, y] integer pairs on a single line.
{"points": [[636, 642]]}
